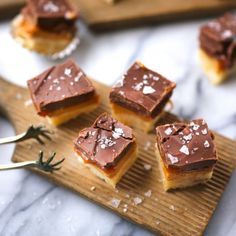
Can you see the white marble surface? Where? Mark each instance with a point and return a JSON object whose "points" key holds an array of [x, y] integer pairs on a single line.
{"points": [[29, 205]]}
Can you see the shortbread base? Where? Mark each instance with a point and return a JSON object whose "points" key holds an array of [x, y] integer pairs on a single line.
{"points": [[213, 69], [63, 115], [183, 179], [112, 177], [132, 119], [47, 43]]}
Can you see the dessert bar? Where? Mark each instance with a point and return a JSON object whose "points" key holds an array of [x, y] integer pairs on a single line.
{"points": [[108, 148], [139, 98], [46, 26], [186, 153], [217, 48], [62, 92]]}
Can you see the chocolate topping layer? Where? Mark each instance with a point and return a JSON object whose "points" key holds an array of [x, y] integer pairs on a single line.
{"points": [[105, 143], [218, 39], [60, 86], [55, 15], [186, 146], [142, 90]]}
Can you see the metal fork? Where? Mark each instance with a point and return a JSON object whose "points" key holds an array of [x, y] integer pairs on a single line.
{"points": [[33, 132], [46, 165]]}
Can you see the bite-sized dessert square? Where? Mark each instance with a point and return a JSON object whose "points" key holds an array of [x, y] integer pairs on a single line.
{"points": [[108, 148], [62, 92], [217, 48], [139, 98], [46, 26], [186, 153]]}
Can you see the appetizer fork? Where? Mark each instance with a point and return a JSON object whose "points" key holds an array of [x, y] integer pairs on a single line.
{"points": [[40, 164], [37, 133]]}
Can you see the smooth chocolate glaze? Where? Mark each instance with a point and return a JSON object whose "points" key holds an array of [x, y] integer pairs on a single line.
{"points": [[60, 86], [53, 15], [143, 91], [186, 146], [218, 39], [105, 142]]}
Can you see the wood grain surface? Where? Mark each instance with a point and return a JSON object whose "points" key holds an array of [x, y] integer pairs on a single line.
{"points": [[182, 212], [128, 13]]}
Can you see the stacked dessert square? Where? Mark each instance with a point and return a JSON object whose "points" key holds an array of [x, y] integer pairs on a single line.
{"points": [[139, 98], [217, 48]]}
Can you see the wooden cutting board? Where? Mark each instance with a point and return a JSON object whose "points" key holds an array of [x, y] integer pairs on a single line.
{"points": [[126, 13], [182, 212]]}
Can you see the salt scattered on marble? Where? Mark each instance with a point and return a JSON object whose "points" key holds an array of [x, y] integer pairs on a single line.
{"points": [[115, 202]]}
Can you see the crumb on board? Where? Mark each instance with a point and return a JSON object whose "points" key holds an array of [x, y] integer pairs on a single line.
{"points": [[115, 202]]}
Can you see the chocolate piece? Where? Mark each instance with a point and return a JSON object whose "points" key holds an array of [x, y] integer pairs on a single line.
{"points": [[60, 86], [186, 146], [105, 143], [143, 91], [55, 15], [218, 39]]}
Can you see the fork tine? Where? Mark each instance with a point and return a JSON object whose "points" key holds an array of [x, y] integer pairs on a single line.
{"points": [[58, 163], [40, 140], [41, 157], [50, 158], [46, 136]]}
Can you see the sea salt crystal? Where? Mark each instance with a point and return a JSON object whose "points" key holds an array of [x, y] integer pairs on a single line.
{"points": [[115, 202], [56, 81], [67, 72], [103, 146], [184, 149], [148, 90], [137, 200], [188, 137], [51, 87], [155, 78], [145, 77], [168, 131], [71, 83], [172, 207], [173, 159], [58, 88], [204, 131], [227, 34], [121, 93], [148, 193], [78, 77], [157, 222], [138, 86], [119, 83], [50, 7], [194, 126], [125, 210], [147, 167], [206, 144]]}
